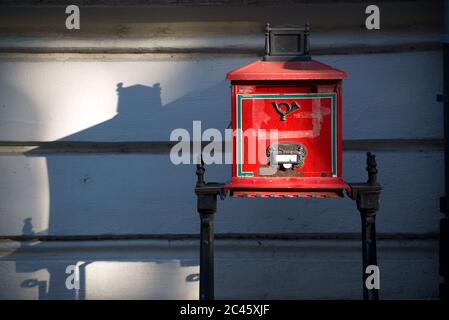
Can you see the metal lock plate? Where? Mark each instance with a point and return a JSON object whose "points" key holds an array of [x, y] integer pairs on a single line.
{"points": [[284, 156]]}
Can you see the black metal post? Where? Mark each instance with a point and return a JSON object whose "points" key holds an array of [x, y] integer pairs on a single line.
{"points": [[207, 256], [207, 206], [367, 196], [369, 250], [444, 201]]}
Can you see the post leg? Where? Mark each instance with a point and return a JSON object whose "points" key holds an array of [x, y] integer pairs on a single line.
{"points": [[369, 250], [366, 195], [207, 256], [207, 206]]}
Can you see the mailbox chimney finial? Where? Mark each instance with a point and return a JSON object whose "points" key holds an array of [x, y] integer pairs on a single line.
{"points": [[287, 43]]}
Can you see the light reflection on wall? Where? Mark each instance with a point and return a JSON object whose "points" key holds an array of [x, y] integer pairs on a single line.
{"points": [[165, 279]]}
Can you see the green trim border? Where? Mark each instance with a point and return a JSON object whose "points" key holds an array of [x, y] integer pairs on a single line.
{"points": [[239, 140]]}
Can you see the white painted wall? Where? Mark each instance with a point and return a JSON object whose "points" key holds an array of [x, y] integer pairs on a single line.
{"points": [[146, 194], [72, 96], [78, 100]]}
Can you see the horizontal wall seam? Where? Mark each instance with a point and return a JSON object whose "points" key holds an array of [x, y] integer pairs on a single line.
{"points": [[237, 50], [164, 147], [222, 236]]}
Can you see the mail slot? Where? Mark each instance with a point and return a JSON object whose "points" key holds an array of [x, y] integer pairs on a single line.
{"points": [[286, 121]]}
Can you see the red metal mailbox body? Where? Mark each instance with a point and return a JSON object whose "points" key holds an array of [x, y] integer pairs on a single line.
{"points": [[286, 120]]}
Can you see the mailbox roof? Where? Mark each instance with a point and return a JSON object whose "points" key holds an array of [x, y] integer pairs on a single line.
{"points": [[286, 70]]}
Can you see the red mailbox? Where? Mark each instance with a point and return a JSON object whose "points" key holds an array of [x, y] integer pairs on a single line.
{"points": [[286, 120]]}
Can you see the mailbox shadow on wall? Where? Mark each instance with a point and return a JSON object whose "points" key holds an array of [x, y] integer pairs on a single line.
{"points": [[138, 108]]}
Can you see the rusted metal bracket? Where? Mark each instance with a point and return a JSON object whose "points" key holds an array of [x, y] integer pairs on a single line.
{"points": [[367, 197], [207, 206]]}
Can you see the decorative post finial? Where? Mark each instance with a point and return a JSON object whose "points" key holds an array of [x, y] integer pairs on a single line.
{"points": [[200, 172], [306, 38], [371, 168], [267, 38]]}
